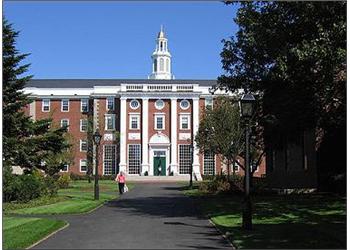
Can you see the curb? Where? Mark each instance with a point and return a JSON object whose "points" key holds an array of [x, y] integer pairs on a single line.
{"points": [[48, 236], [219, 231]]}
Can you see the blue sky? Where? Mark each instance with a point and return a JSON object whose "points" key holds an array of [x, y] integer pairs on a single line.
{"points": [[116, 39]]}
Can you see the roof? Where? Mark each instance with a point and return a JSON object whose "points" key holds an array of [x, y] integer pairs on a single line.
{"points": [[90, 83]]}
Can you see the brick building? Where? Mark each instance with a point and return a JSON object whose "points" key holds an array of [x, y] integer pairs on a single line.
{"points": [[156, 119]]}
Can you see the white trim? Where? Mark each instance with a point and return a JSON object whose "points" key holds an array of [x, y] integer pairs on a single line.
{"points": [[167, 158], [81, 104], [110, 98], [188, 124], [81, 125], [155, 121], [65, 119], [138, 104], [81, 143], [183, 101], [159, 108], [63, 171], [145, 159], [62, 100], [81, 160], [42, 104], [137, 116], [106, 123], [122, 147], [174, 134]]}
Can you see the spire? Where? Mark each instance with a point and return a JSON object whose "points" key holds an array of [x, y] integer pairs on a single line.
{"points": [[161, 58]]}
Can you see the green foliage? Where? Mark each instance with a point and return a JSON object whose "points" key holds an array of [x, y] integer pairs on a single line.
{"points": [[64, 180], [221, 184], [220, 131]]}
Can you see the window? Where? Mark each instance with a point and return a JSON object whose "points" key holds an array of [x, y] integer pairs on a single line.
{"points": [[109, 159], [134, 104], [236, 167], [65, 123], [110, 103], [161, 64], [159, 104], [83, 125], [134, 158], [110, 122], [185, 159], [184, 104], [184, 121], [209, 163], [46, 105], [155, 65], [83, 165], [65, 168], [84, 105], [209, 103], [65, 105], [159, 122], [167, 65], [83, 145], [134, 122]]}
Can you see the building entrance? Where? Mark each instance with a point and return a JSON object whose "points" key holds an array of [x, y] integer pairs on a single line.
{"points": [[159, 163]]}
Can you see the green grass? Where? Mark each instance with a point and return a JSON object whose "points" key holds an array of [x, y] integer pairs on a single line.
{"points": [[78, 198], [23, 232], [291, 221]]}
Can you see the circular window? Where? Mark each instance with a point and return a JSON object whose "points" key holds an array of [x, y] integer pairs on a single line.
{"points": [[159, 104], [134, 104], [184, 104]]}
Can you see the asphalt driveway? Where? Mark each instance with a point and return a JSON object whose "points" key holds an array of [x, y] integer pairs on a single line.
{"points": [[153, 216]]}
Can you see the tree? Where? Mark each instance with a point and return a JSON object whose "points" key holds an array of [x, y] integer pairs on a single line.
{"points": [[220, 131], [294, 55], [26, 143]]}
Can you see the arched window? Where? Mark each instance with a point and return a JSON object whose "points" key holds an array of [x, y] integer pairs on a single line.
{"points": [[161, 46], [155, 65], [161, 64], [167, 65]]}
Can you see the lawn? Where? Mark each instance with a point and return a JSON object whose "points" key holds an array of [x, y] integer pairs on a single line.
{"points": [[78, 198], [287, 221], [23, 232]]}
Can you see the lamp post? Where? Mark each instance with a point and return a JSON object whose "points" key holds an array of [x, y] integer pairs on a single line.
{"points": [[191, 167], [97, 140], [246, 109]]}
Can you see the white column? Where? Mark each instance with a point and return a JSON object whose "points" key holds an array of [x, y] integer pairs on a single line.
{"points": [[145, 162], [122, 164], [173, 122], [195, 113]]}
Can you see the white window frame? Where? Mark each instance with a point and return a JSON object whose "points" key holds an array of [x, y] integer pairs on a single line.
{"points": [[205, 161], [189, 121], [81, 104], [136, 160], [159, 107], [65, 119], [65, 171], [43, 105], [81, 144], [138, 104], [155, 121], [131, 116], [183, 101], [81, 125], [211, 105], [106, 123], [81, 160], [112, 99], [112, 160], [65, 99]]}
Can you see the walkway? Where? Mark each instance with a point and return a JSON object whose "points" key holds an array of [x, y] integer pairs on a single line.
{"points": [[153, 216]]}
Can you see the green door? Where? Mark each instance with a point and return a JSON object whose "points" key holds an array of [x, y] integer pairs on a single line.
{"points": [[159, 165]]}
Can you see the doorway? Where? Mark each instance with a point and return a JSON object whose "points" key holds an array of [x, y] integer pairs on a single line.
{"points": [[159, 163]]}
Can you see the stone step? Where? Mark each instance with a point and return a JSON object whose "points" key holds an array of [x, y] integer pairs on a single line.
{"points": [[138, 178]]}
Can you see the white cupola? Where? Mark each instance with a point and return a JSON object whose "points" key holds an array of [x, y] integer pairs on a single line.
{"points": [[161, 58]]}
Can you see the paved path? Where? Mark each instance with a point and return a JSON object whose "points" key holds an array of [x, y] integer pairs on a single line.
{"points": [[153, 216]]}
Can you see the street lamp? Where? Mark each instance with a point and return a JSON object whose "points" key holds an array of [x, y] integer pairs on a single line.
{"points": [[246, 109], [97, 140], [191, 167]]}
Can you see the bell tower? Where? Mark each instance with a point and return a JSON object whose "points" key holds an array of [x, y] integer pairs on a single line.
{"points": [[161, 58]]}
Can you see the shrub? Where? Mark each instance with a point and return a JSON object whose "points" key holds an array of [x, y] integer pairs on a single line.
{"points": [[221, 184], [51, 186], [63, 181]]}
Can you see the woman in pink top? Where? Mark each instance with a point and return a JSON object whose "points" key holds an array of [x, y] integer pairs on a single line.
{"points": [[121, 181]]}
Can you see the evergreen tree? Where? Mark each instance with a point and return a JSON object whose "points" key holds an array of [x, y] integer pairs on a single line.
{"points": [[26, 143]]}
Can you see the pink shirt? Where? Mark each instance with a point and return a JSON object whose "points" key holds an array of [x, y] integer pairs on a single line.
{"points": [[121, 178]]}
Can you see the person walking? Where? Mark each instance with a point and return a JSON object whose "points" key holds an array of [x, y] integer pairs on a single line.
{"points": [[121, 181]]}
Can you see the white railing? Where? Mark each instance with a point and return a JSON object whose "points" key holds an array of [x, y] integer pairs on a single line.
{"points": [[159, 87]]}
